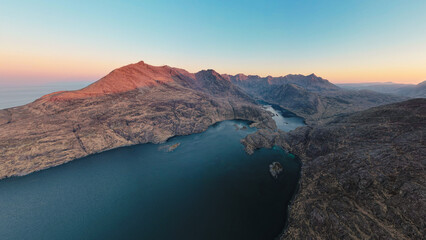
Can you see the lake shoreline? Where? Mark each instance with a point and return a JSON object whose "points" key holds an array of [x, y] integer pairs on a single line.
{"points": [[172, 161], [61, 162], [172, 146]]}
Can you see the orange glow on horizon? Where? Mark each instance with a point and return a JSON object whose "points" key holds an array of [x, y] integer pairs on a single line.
{"points": [[39, 69]]}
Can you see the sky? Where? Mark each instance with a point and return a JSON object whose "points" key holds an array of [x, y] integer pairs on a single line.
{"points": [[343, 41]]}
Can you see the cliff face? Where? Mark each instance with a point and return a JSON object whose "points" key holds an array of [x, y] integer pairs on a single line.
{"points": [[134, 104], [363, 174]]}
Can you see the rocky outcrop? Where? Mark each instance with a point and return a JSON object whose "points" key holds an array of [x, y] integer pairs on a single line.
{"points": [[363, 174], [275, 169], [134, 104], [169, 148]]}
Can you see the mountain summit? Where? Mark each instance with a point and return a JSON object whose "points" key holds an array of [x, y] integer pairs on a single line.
{"points": [[123, 79]]}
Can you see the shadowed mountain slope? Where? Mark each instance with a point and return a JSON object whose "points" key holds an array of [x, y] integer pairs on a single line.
{"points": [[363, 174], [311, 97], [309, 82]]}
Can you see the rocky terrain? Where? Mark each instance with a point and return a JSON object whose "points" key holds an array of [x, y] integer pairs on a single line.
{"points": [[311, 97], [256, 84], [363, 174], [139, 103], [134, 104]]}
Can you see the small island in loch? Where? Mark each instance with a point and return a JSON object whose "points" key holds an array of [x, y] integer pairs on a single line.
{"points": [[275, 169]]}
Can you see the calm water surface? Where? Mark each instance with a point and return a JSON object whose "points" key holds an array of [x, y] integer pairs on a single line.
{"points": [[207, 188], [284, 119]]}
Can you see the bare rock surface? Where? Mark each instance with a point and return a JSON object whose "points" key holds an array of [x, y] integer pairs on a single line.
{"points": [[134, 104], [363, 174]]}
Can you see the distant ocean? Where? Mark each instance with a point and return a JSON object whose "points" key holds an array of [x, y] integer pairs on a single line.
{"points": [[12, 96]]}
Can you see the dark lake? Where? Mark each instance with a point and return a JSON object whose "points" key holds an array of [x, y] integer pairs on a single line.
{"points": [[206, 188]]}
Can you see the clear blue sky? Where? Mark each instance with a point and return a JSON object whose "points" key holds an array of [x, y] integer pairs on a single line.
{"points": [[344, 41]]}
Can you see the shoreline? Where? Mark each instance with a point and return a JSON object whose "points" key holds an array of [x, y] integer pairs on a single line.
{"points": [[258, 125], [292, 200], [248, 122]]}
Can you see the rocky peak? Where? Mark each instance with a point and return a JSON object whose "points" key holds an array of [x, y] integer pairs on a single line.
{"points": [[241, 77], [227, 77], [208, 73], [212, 82], [123, 79]]}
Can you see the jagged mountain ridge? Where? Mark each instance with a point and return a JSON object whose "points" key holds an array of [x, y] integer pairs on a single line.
{"points": [[309, 82], [141, 75], [311, 97]]}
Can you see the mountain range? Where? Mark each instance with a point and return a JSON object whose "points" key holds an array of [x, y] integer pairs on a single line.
{"points": [[140, 103], [363, 152], [311, 97]]}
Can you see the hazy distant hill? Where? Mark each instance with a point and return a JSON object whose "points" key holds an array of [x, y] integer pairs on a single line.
{"points": [[407, 90]]}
